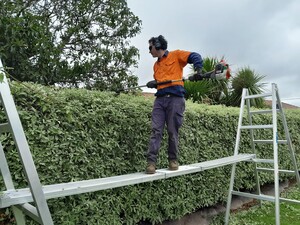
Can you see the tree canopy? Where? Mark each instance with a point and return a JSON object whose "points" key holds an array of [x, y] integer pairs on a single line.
{"points": [[69, 42]]}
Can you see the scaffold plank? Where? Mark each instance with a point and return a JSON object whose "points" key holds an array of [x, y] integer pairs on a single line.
{"points": [[20, 196]]}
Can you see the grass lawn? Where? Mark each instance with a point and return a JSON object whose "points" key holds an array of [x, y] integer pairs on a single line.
{"points": [[265, 215]]}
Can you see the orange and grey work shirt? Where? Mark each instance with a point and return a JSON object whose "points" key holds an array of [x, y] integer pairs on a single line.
{"points": [[170, 67]]}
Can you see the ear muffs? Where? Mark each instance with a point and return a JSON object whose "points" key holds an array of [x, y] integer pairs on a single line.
{"points": [[157, 44]]}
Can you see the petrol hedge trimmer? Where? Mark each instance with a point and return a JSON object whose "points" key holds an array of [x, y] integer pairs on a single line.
{"points": [[221, 72]]}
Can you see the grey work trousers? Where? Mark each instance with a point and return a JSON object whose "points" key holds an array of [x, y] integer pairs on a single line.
{"points": [[166, 110]]}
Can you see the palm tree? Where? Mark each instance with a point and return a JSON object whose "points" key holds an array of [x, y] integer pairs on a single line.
{"points": [[246, 78]]}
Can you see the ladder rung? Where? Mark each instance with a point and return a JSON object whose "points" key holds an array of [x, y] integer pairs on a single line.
{"points": [[269, 141], [263, 197], [258, 96], [4, 127], [289, 200], [257, 126], [263, 160], [262, 111], [255, 196], [272, 170]]}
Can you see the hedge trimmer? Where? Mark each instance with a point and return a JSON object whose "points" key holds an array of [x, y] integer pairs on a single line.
{"points": [[221, 72]]}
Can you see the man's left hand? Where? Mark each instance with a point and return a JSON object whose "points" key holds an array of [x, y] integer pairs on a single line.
{"points": [[152, 84]]}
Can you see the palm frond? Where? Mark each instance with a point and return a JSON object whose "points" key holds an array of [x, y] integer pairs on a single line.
{"points": [[211, 89], [247, 78]]}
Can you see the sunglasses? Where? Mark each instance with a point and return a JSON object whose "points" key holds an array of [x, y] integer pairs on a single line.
{"points": [[150, 48]]}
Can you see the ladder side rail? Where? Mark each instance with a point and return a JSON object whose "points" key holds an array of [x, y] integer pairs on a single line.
{"points": [[6, 175], [5, 170], [258, 191], [8, 182], [288, 137], [24, 152], [250, 123], [236, 150], [30, 211], [19, 215], [238, 134], [275, 154]]}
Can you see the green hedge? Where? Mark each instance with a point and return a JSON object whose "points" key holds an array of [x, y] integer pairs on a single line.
{"points": [[79, 134]]}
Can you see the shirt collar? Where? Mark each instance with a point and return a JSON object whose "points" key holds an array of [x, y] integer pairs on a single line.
{"points": [[165, 55]]}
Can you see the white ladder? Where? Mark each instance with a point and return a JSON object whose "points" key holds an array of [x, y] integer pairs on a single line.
{"points": [[276, 108], [40, 212]]}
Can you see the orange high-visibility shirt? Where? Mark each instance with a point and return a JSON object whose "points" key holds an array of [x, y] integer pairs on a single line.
{"points": [[170, 67]]}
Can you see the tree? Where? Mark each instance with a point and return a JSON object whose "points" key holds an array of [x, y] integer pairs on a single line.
{"points": [[246, 78], [70, 42]]}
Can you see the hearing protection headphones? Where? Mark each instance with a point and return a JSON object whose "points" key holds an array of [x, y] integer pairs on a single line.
{"points": [[157, 43]]}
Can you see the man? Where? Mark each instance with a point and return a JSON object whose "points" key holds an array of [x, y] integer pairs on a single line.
{"points": [[169, 104]]}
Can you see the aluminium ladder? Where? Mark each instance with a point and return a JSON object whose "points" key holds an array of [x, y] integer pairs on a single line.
{"points": [[276, 108], [40, 212]]}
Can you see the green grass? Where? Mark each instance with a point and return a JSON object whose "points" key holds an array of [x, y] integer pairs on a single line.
{"points": [[265, 215]]}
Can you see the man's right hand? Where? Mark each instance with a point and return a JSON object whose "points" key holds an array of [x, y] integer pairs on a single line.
{"points": [[197, 76], [152, 84]]}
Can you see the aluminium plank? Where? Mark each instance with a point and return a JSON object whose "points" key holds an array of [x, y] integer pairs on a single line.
{"points": [[21, 196], [224, 161]]}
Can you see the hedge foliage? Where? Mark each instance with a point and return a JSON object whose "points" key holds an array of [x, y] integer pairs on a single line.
{"points": [[76, 134]]}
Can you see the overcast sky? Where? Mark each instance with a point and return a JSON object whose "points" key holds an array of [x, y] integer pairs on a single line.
{"points": [[261, 34]]}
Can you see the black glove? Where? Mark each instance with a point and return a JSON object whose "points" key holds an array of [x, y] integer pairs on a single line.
{"points": [[152, 84], [219, 67], [197, 76]]}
